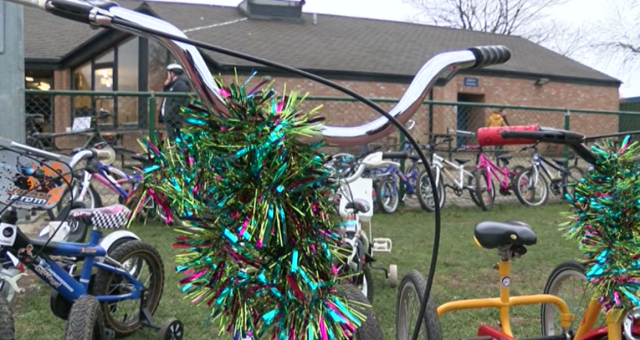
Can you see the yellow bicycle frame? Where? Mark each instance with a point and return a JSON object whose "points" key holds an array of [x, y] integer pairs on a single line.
{"points": [[505, 301]]}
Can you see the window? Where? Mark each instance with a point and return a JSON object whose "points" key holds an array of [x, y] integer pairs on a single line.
{"points": [[82, 82], [40, 103], [128, 81], [158, 60]]}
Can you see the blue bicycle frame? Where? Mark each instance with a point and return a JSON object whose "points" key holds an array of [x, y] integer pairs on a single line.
{"points": [[541, 162], [57, 278], [408, 179]]}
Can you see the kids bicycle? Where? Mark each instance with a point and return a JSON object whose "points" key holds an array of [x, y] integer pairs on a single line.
{"points": [[355, 208], [486, 172], [118, 272], [536, 181]]}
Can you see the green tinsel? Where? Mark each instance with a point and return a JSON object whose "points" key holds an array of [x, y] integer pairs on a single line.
{"points": [[606, 221], [259, 245]]}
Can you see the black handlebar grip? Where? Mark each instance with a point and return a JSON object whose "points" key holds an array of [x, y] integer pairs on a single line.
{"points": [[395, 155], [490, 55], [78, 10]]}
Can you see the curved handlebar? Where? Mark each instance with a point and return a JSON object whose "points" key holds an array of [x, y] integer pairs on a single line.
{"points": [[107, 14]]}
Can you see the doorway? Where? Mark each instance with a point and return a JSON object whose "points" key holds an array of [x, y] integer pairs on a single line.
{"points": [[469, 118]]}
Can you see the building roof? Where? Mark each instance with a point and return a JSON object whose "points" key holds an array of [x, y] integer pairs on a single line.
{"points": [[327, 43]]}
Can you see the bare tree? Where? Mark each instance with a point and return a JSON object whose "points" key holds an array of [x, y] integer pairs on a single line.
{"points": [[526, 18], [618, 37]]}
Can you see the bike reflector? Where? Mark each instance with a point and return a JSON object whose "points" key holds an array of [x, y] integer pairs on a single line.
{"points": [[31, 182], [488, 136]]}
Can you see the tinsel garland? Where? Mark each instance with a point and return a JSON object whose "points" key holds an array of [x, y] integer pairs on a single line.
{"points": [[259, 244], [606, 221]]}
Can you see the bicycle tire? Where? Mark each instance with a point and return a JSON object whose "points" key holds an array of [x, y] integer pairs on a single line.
{"points": [[560, 272], [85, 320], [370, 328], [518, 190], [388, 209], [486, 205], [471, 185], [366, 277], [94, 197], [35, 143], [103, 278], [566, 187], [439, 186], [414, 283]]}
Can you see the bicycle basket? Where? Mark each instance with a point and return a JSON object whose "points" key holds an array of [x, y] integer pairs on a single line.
{"points": [[31, 182]]}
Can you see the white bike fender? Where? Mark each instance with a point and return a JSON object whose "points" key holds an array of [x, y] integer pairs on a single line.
{"points": [[117, 235]]}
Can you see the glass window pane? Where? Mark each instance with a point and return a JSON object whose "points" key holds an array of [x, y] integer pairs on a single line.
{"points": [[157, 70], [82, 77], [103, 78], [107, 57], [157, 66], [82, 82], [128, 81]]}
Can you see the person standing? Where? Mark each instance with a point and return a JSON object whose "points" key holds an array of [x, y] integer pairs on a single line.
{"points": [[497, 118], [171, 106]]}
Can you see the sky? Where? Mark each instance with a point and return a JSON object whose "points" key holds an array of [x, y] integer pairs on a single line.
{"points": [[572, 11]]}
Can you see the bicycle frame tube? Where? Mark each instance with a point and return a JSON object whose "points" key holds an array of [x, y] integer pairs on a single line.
{"points": [[65, 284], [505, 301], [461, 172], [492, 170]]}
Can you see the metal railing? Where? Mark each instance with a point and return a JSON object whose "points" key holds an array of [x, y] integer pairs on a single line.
{"points": [[64, 116]]}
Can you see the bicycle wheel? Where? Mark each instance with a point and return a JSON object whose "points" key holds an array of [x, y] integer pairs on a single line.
{"points": [[531, 188], [410, 294], [571, 178], [425, 192], [132, 255], [91, 199], [370, 328], [570, 270], [388, 195], [471, 186], [484, 195], [85, 320]]}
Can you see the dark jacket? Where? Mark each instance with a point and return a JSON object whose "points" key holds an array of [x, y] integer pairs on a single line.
{"points": [[170, 108]]}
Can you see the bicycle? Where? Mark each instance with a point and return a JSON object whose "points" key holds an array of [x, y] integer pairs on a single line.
{"points": [[529, 178], [355, 208], [486, 171], [114, 266], [45, 140], [463, 180]]}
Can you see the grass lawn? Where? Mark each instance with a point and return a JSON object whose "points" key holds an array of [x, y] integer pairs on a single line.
{"points": [[464, 271]]}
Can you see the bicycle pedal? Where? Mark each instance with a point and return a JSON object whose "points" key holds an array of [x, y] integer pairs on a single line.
{"points": [[383, 245]]}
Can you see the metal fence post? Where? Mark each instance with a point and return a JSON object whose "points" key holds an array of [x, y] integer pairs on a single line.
{"points": [[151, 109], [567, 126], [400, 183]]}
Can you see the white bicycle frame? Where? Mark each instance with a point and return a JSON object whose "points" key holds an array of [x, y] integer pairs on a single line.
{"points": [[439, 163]]}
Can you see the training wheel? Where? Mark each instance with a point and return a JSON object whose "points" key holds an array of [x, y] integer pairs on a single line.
{"points": [[392, 278], [171, 329]]}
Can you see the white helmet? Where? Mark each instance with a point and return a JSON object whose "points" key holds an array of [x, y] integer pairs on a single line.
{"points": [[175, 67]]}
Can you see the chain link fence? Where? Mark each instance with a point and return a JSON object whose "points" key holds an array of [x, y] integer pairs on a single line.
{"points": [[63, 120]]}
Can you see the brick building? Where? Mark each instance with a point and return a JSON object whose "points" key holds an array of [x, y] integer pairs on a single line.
{"points": [[373, 57]]}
